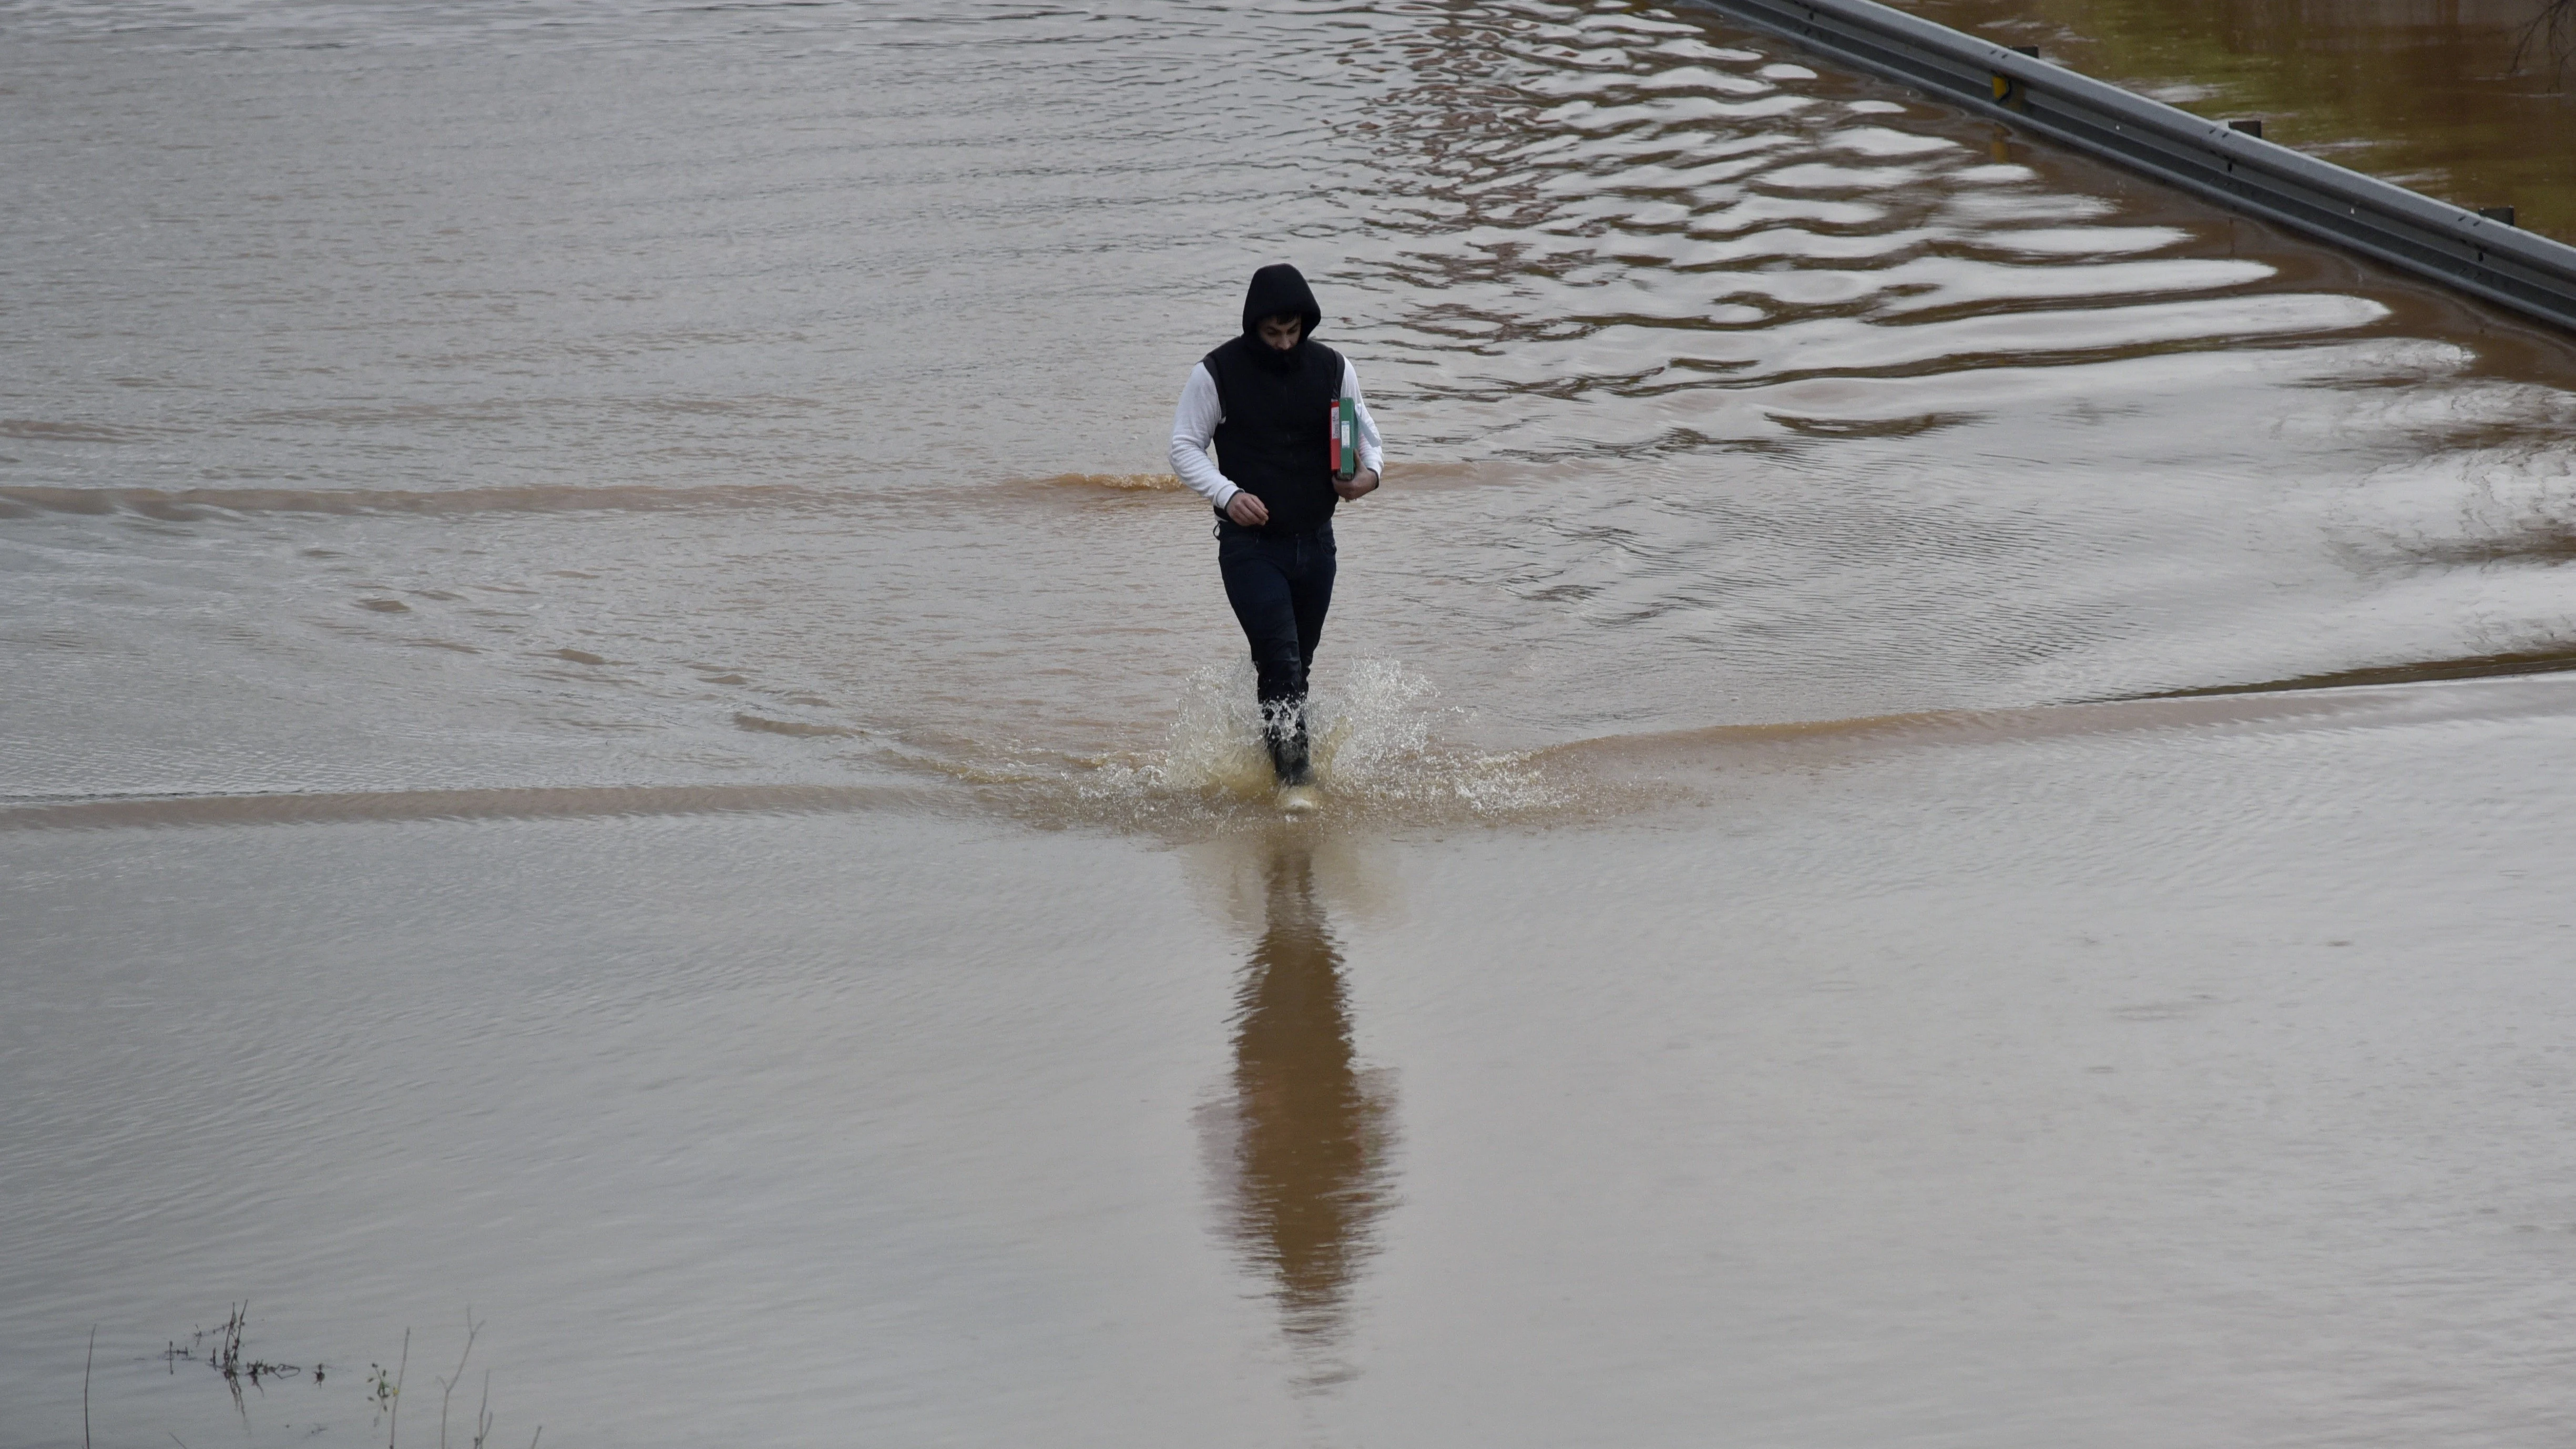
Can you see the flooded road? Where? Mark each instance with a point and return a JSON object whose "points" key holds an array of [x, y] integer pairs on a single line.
{"points": [[2194, 1084], [611, 719]]}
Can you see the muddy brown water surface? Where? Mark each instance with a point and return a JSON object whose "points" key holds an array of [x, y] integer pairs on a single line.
{"points": [[2470, 101], [610, 718]]}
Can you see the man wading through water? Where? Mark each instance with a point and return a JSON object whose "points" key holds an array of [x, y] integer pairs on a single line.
{"points": [[1267, 400]]}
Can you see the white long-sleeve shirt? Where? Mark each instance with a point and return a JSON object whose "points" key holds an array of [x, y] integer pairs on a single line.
{"points": [[1194, 426]]}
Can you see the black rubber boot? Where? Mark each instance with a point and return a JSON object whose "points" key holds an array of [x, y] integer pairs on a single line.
{"points": [[1284, 730]]}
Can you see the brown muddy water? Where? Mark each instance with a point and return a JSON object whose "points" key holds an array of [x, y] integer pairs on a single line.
{"points": [[2471, 101], [609, 720]]}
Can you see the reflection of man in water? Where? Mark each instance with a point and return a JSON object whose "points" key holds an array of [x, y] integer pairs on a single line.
{"points": [[1309, 1140], [1265, 399]]}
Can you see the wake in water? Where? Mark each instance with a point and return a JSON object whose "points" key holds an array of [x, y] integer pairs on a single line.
{"points": [[1378, 756]]}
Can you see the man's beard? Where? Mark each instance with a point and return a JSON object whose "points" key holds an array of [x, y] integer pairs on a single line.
{"points": [[1283, 360]]}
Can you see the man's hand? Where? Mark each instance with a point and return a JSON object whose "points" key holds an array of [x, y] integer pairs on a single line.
{"points": [[1359, 484], [1247, 510]]}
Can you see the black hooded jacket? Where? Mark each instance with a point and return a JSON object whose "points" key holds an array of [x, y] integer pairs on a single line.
{"points": [[1276, 440]]}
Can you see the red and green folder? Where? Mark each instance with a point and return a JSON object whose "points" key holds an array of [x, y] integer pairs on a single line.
{"points": [[1345, 426]]}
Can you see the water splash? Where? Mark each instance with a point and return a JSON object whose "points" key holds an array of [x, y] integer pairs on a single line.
{"points": [[1379, 755], [1377, 746], [1214, 747]]}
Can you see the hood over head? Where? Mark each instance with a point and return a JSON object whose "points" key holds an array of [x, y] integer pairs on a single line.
{"points": [[1280, 290]]}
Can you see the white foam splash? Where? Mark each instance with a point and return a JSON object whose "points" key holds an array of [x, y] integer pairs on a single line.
{"points": [[1377, 752], [1215, 741]]}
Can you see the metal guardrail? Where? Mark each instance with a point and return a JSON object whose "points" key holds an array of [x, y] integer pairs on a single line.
{"points": [[2481, 254]]}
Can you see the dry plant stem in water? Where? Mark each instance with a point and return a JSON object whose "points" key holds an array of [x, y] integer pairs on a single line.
{"points": [[226, 1355], [447, 1391], [447, 1386], [483, 1413], [393, 1416]]}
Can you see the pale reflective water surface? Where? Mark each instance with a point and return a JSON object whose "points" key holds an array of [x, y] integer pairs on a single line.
{"points": [[610, 717]]}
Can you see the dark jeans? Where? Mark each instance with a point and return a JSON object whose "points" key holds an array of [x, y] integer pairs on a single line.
{"points": [[1280, 585]]}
